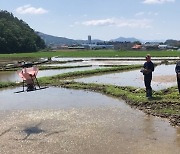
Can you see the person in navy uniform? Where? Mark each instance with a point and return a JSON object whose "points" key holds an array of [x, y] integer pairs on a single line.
{"points": [[147, 70], [177, 70]]}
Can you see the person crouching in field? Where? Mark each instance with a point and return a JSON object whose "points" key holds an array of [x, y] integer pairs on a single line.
{"points": [[147, 70], [177, 69]]}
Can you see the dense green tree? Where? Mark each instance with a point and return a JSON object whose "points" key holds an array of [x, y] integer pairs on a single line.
{"points": [[17, 36]]}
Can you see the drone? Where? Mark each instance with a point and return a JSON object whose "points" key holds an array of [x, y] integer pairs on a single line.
{"points": [[28, 74]]}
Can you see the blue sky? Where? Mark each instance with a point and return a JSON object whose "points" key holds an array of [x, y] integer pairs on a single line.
{"points": [[102, 19]]}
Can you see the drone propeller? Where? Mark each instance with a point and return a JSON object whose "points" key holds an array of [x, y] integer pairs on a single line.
{"points": [[22, 64]]}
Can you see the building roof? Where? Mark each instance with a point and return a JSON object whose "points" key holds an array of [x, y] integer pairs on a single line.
{"points": [[137, 46]]}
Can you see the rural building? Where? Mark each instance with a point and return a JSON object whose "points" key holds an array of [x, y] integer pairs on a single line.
{"points": [[137, 47]]}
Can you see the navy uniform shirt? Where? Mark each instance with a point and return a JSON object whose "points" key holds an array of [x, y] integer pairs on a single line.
{"points": [[177, 68], [148, 66]]}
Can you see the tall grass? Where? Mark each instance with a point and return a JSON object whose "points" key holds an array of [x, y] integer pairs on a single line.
{"points": [[91, 53]]}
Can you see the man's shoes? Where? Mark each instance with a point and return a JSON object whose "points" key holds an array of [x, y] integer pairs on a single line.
{"points": [[149, 93]]}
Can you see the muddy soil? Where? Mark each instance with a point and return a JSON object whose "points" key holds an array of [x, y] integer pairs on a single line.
{"points": [[164, 78], [74, 124], [78, 131]]}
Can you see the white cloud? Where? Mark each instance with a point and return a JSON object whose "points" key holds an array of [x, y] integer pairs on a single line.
{"points": [[157, 1], [85, 15], [28, 9], [131, 23], [140, 14], [153, 13], [146, 13], [102, 22]]}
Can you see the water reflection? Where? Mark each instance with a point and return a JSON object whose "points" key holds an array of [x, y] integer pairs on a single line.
{"points": [[88, 117], [101, 62], [53, 98], [13, 76], [163, 77], [135, 78], [109, 61], [112, 59], [9, 76]]}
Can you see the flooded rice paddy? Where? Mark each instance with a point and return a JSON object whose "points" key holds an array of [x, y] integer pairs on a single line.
{"points": [[52, 98], [163, 77], [12, 76], [110, 61], [70, 59], [57, 120]]}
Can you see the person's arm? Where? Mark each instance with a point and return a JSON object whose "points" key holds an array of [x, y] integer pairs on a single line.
{"points": [[176, 69], [148, 71]]}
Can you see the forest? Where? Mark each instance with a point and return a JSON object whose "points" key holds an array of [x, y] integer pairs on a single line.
{"points": [[16, 36]]}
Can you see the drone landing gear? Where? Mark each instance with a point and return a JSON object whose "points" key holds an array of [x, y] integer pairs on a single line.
{"points": [[31, 84], [30, 87]]}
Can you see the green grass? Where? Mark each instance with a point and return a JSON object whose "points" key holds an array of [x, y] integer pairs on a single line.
{"points": [[91, 53], [48, 68], [7, 84], [79, 74]]}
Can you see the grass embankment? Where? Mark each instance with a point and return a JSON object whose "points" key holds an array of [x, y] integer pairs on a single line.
{"points": [[90, 53], [79, 74], [48, 67], [61, 67], [7, 84]]}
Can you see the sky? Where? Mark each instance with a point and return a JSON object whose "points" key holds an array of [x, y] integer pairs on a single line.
{"points": [[102, 19]]}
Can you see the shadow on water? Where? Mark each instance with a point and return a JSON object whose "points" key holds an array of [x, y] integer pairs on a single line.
{"points": [[32, 130], [87, 118]]}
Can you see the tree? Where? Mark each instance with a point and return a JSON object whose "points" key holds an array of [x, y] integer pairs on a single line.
{"points": [[17, 36]]}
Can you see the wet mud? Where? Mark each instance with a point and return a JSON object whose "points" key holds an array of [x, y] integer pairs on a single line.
{"points": [[77, 121]]}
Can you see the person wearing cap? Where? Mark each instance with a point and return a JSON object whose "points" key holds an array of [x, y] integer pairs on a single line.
{"points": [[147, 70], [177, 70]]}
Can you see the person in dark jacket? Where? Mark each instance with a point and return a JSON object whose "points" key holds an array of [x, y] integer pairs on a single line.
{"points": [[177, 70], [147, 70]]}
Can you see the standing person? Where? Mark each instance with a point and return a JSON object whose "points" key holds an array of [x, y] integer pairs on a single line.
{"points": [[177, 69], [147, 70]]}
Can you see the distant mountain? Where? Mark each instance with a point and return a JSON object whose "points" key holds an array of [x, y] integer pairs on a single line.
{"points": [[54, 40], [123, 39]]}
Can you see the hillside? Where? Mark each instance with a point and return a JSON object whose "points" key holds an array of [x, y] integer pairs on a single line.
{"points": [[17, 36], [123, 39], [54, 40]]}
